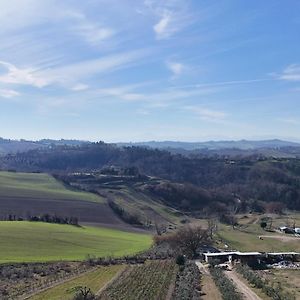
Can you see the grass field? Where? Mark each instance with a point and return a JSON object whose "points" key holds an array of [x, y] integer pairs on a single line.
{"points": [[95, 280], [247, 239], [39, 185], [288, 279], [41, 242]]}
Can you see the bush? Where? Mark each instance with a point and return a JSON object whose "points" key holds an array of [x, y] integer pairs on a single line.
{"points": [[180, 260], [226, 287]]}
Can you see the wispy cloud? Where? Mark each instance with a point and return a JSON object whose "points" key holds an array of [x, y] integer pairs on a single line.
{"points": [[5, 93], [24, 76], [80, 87], [206, 114], [291, 73], [291, 121], [172, 17], [93, 32], [176, 68], [68, 75]]}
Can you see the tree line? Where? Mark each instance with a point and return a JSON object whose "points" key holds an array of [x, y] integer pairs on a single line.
{"points": [[47, 218]]}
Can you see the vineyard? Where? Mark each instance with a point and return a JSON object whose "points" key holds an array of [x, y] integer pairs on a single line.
{"points": [[149, 281], [21, 279]]}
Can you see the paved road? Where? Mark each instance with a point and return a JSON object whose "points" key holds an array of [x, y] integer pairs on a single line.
{"points": [[242, 287]]}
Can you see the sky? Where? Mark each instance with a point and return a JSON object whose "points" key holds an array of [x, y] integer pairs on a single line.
{"points": [[134, 70]]}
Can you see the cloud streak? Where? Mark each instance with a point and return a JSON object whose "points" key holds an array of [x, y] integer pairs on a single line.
{"points": [[291, 73], [209, 115]]}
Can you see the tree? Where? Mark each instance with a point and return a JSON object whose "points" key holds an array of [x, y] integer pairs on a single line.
{"points": [[186, 240], [263, 225], [83, 293]]}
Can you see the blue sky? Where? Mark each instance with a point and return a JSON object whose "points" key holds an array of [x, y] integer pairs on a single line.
{"points": [[126, 70]]}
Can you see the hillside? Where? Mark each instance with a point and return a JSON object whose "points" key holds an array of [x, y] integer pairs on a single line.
{"points": [[216, 145], [36, 194], [254, 181], [42, 242], [23, 194]]}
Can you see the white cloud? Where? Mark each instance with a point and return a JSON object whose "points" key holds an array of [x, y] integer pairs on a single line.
{"points": [[69, 75], [172, 17], [5, 93], [80, 87], [291, 73], [162, 28], [25, 76], [93, 32], [176, 68], [206, 114]]}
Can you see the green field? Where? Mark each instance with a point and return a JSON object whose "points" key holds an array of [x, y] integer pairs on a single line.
{"points": [[40, 242], [247, 239], [95, 280], [39, 185]]}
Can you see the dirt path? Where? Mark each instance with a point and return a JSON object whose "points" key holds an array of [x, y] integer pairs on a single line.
{"points": [[282, 238], [242, 287], [209, 289]]}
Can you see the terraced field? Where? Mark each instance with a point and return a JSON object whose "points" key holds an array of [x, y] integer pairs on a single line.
{"points": [[22, 241]]}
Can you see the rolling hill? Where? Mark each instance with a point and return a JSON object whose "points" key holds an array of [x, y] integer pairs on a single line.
{"points": [[22, 241]]}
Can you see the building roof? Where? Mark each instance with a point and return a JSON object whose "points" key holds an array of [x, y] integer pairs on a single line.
{"points": [[233, 253], [249, 253], [283, 253]]}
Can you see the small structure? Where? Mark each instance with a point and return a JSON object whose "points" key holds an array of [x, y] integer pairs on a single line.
{"points": [[249, 257], [233, 256], [286, 229]]}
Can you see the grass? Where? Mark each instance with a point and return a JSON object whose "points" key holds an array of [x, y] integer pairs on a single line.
{"points": [[247, 239], [39, 185], [288, 279], [95, 280], [41, 242]]}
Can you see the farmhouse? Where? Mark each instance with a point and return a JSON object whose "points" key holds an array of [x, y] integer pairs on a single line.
{"points": [[248, 257], [233, 256]]}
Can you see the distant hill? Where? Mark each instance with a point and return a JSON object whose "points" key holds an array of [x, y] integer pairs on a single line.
{"points": [[14, 146], [216, 145], [250, 179]]}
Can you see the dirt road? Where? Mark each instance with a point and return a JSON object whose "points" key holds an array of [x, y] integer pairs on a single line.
{"points": [[282, 238], [209, 289], [242, 287]]}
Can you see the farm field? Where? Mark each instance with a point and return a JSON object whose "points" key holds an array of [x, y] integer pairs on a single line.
{"points": [[246, 236], [22, 241], [95, 280], [248, 240], [289, 280], [22, 194], [149, 281], [39, 185]]}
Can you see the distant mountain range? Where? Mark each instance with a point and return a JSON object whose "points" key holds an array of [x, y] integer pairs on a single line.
{"points": [[14, 146], [216, 145], [273, 147]]}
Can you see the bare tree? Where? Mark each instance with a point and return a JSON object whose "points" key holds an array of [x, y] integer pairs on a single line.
{"points": [[186, 240]]}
